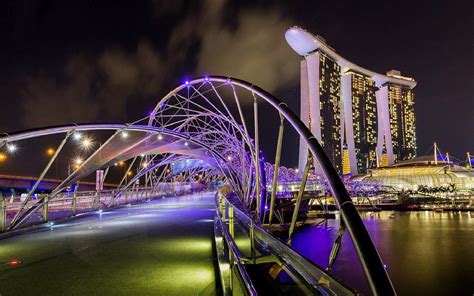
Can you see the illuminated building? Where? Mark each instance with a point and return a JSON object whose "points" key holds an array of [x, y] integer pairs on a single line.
{"points": [[421, 171], [344, 104], [320, 106], [360, 120], [402, 121]]}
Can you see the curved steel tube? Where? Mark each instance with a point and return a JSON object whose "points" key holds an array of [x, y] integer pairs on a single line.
{"points": [[376, 274], [374, 270]]}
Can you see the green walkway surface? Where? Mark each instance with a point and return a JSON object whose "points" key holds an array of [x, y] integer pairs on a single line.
{"points": [[159, 248]]}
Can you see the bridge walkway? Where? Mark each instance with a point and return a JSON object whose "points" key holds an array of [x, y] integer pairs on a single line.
{"points": [[164, 247]]}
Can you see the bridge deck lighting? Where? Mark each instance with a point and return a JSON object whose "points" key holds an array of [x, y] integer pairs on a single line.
{"points": [[14, 262], [124, 135], [160, 137], [186, 143]]}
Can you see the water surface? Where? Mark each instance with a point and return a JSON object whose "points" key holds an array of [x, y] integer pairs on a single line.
{"points": [[426, 253]]}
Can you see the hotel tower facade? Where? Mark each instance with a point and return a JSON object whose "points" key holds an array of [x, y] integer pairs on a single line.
{"points": [[362, 119]]}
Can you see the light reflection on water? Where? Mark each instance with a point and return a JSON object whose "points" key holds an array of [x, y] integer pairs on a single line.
{"points": [[426, 253]]}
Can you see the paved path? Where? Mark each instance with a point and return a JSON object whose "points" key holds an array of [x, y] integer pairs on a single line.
{"points": [[158, 248]]}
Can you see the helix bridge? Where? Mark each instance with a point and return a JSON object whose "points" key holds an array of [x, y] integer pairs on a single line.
{"points": [[206, 135]]}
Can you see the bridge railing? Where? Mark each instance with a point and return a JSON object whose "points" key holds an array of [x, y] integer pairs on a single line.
{"points": [[244, 246], [70, 204]]}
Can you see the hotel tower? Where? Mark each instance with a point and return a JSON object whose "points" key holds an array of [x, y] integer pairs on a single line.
{"points": [[362, 119]]}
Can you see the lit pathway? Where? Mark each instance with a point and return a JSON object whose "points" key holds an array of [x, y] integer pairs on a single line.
{"points": [[158, 248]]}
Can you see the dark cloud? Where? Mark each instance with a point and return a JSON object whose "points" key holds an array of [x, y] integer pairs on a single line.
{"points": [[93, 88], [98, 87]]}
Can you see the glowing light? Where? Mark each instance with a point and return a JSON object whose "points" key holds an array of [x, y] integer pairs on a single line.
{"points": [[206, 78], [86, 143], [186, 82], [124, 135], [78, 160], [77, 136], [145, 165], [50, 151], [186, 143], [11, 147], [14, 262], [121, 163], [3, 157], [297, 170], [160, 137], [229, 157], [129, 173]]}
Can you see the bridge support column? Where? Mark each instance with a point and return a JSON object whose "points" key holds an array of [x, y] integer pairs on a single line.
{"points": [[45, 208], [298, 200], [258, 193], [276, 169], [3, 215]]}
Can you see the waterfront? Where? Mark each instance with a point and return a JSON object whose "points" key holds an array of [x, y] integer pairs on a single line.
{"points": [[426, 253]]}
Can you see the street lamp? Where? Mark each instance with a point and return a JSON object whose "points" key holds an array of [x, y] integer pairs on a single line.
{"points": [[3, 157]]}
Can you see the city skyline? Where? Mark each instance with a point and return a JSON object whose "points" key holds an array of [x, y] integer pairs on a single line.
{"points": [[81, 62], [348, 107]]}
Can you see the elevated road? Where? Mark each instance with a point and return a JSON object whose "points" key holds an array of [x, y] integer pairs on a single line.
{"points": [[159, 248]]}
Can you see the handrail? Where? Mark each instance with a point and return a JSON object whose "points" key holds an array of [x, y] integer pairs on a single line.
{"points": [[315, 277], [239, 258]]}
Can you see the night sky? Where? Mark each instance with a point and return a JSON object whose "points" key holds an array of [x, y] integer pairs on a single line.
{"points": [[110, 61]]}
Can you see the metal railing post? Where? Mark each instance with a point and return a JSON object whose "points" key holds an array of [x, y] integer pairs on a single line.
{"points": [[74, 203], [126, 196], [113, 199], [231, 220], [252, 240], [3, 214], [45, 208], [230, 213]]}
